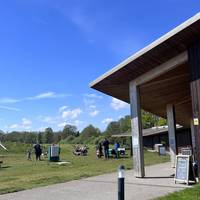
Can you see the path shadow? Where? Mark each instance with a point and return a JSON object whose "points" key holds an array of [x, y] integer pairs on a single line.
{"points": [[160, 177]]}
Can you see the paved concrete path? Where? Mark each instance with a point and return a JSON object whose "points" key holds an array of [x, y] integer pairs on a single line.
{"points": [[104, 187]]}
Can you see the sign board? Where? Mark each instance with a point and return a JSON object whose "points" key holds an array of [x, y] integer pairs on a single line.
{"points": [[54, 151], [162, 151], [182, 168], [186, 151], [196, 121]]}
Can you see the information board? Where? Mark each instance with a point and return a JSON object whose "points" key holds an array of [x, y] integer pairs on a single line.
{"points": [[54, 151], [182, 168], [186, 151], [162, 151]]}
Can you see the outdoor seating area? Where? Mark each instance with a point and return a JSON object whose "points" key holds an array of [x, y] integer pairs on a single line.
{"points": [[80, 150]]}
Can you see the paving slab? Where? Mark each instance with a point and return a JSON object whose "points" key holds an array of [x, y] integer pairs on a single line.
{"points": [[158, 182]]}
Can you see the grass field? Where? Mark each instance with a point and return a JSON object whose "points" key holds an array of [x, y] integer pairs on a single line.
{"points": [[17, 173], [187, 194]]}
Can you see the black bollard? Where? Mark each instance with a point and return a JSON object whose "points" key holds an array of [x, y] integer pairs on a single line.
{"points": [[121, 177]]}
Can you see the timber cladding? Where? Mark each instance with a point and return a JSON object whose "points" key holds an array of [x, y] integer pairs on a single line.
{"points": [[194, 61], [194, 66]]}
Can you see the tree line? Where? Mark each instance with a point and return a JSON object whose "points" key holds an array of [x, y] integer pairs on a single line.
{"points": [[89, 134]]}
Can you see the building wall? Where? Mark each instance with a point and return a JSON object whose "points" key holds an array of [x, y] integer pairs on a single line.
{"points": [[183, 139]]}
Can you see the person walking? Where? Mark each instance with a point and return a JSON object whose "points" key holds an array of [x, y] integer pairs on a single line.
{"points": [[28, 153], [38, 151], [106, 148]]}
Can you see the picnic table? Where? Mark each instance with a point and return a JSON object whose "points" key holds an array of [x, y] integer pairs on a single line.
{"points": [[120, 152]]}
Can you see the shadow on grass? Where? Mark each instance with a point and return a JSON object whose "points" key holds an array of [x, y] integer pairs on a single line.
{"points": [[5, 167]]}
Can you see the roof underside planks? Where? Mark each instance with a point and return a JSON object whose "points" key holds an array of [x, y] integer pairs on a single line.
{"points": [[171, 87]]}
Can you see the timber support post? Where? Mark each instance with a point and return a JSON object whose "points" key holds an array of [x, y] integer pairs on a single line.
{"points": [[172, 133], [194, 66], [137, 137]]}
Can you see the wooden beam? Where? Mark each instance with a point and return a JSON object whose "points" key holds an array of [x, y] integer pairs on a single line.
{"points": [[172, 133], [137, 138], [163, 68], [165, 80]]}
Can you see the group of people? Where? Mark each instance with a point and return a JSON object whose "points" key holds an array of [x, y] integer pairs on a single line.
{"points": [[38, 152], [102, 149], [80, 150]]}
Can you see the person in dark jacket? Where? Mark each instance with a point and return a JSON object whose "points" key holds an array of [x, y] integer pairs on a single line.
{"points": [[106, 148], [38, 151]]}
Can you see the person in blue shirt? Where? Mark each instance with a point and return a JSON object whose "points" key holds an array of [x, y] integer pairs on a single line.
{"points": [[116, 146], [106, 148]]}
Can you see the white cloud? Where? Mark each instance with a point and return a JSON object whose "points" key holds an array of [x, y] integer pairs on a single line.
{"points": [[25, 124], [42, 129], [92, 106], [95, 96], [117, 104], [45, 95], [9, 100], [61, 125], [48, 119], [72, 114], [76, 123], [26, 121], [107, 120], [10, 108], [90, 99], [61, 109], [94, 113], [13, 126]]}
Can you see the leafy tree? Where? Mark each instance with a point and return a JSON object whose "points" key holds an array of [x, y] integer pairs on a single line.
{"points": [[90, 131], [113, 128], [150, 120], [39, 138], [48, 135], [69, 130], [125, 124]]}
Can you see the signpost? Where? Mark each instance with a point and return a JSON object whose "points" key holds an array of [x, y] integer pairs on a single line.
{"points": [[53, 153], [182, 168], [186, 151], [162, 150]]}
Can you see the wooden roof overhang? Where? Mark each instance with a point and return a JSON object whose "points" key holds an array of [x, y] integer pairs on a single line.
{"points": [[171, 87]]}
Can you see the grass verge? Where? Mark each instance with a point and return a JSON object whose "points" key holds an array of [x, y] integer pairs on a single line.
{"points": [[18, 174]]}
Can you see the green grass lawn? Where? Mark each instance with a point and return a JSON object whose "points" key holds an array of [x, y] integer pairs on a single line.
{"points": [[186, 194], [17, 173]]}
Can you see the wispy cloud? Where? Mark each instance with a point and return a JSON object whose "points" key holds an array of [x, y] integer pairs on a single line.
{"points": [[25, 124], [93, 111], [107, 120], [116, 104], [9, 100], [93, 96], [62, 108], [45, 95], [71, 114], [90, 99], [10, 108]]}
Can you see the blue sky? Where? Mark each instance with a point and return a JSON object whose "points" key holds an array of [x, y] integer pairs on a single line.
{"points": [[51, 50]]}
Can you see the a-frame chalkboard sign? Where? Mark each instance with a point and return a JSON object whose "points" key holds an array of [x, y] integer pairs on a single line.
{"points": [[182, 169]]}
